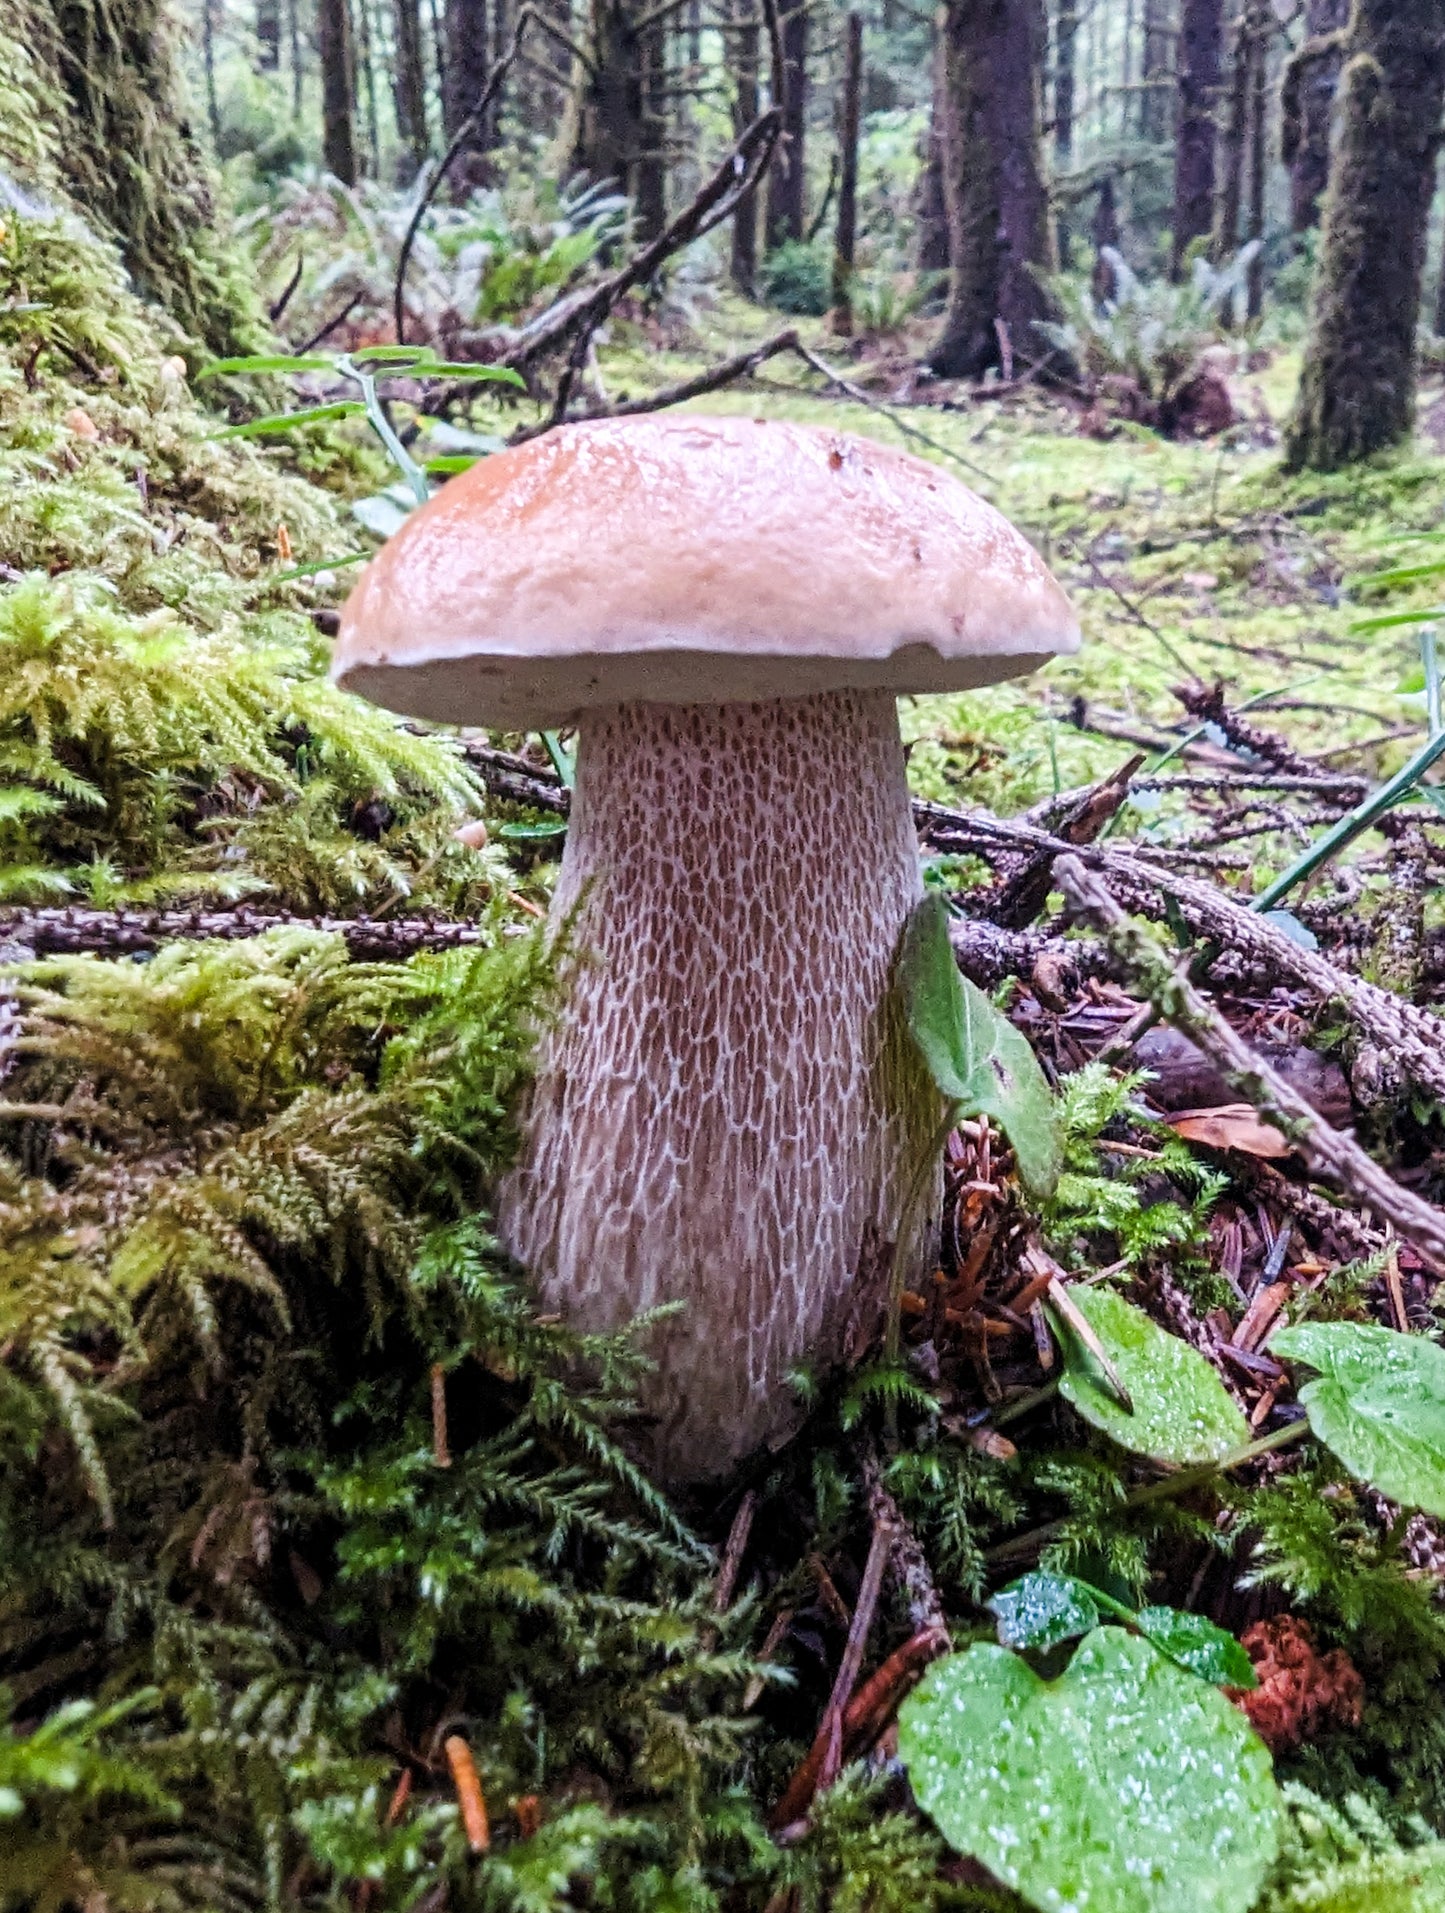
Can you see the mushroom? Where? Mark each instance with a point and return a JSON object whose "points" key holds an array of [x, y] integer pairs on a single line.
{"points": [[728, 1113]]}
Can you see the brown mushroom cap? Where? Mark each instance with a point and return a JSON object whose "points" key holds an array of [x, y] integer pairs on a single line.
{"points": [[679, 559]]}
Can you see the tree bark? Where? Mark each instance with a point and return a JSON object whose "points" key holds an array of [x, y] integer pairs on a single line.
{"points": [[745, 111], [1200, 36], [993, 181], [931, 208], [1224, 237], [1307, 97], [1357, 385], [338, 89], [846, 246], [787, 184], [366, 69], [1258, 153], [1154, 115], [467, 67], [268, 35], [1065, 76], [618, 122], [409, 86]]}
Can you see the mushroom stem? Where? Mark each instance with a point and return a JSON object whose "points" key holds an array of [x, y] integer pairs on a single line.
{"points": [[729, 1114]]}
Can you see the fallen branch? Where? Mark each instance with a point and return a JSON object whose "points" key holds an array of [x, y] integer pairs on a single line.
{"points": [[1328, 1151], [1411, 1037]]}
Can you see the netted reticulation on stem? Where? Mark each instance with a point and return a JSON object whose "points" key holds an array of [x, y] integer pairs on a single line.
{"points": [[729, 1114]]}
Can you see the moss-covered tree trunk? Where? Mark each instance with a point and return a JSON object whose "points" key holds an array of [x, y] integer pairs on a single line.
{"points": [[117, 135], [1357, 386], [1307, 97], [998, 209]]}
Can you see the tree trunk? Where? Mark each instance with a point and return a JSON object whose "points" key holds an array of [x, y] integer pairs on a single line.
{"points": [[338, 89], [1154, 115], [467, 67], [993, 180], [1258, 151], [1357, 386], [131, 160], [1307, 98], [1224, 238], [846, 246], [787, 184], [650, 193], [618, 124], [1200, 35], [366, 68], [298, 68], [409, 86], [268, 35], [931, 208], [1066, 65], [745, 111]]}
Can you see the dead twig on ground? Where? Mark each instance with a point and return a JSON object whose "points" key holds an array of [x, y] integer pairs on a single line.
{"points": [[1413, 1038], [1328, 1152]]}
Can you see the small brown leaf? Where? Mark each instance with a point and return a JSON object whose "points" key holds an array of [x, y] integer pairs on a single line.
{"points": [[1232, 1126]]}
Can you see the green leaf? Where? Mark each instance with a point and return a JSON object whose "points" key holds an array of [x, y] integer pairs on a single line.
{"points": [[491, 374], [1379, 1402], [283, 421], [1196, 1643], [976, 1056], [1389, 620], [450, 462], [1182, 1412], [266, 362], [1126, 1786], [319, 564], [393, 355], [532, 833], [1042, 1609]]}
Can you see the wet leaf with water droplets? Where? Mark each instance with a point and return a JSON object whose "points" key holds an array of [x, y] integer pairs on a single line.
{"points": [[974, 1055], [1182, 1412], [1379, 1402], [1126, 1786], [1196, 1643], [1042, 1609]]}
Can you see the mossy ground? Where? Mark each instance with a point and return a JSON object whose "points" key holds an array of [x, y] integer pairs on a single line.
{"points": [[236, 1182]]}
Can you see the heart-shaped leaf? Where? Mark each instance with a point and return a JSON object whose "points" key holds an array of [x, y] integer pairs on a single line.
{"points": [[975, 1056], [1126, 1786], [1182, 1412], [1379, 1402], [1196, 1643], [1042, 1609]]}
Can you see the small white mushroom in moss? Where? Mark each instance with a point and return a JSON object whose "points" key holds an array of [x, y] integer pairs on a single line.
{"points": [[728, 1113]]}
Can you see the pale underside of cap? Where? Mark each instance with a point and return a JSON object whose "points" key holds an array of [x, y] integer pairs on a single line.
{"points": [[689, 560]]}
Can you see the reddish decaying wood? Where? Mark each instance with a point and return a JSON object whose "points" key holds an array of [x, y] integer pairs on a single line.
{"points": [[469, 1793]]}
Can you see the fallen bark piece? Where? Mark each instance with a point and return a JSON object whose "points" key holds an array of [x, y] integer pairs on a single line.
{"points": [[1232, 1126]]}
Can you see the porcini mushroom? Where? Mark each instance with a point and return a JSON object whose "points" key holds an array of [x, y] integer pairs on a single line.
{"points": [[728, 1112]]}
